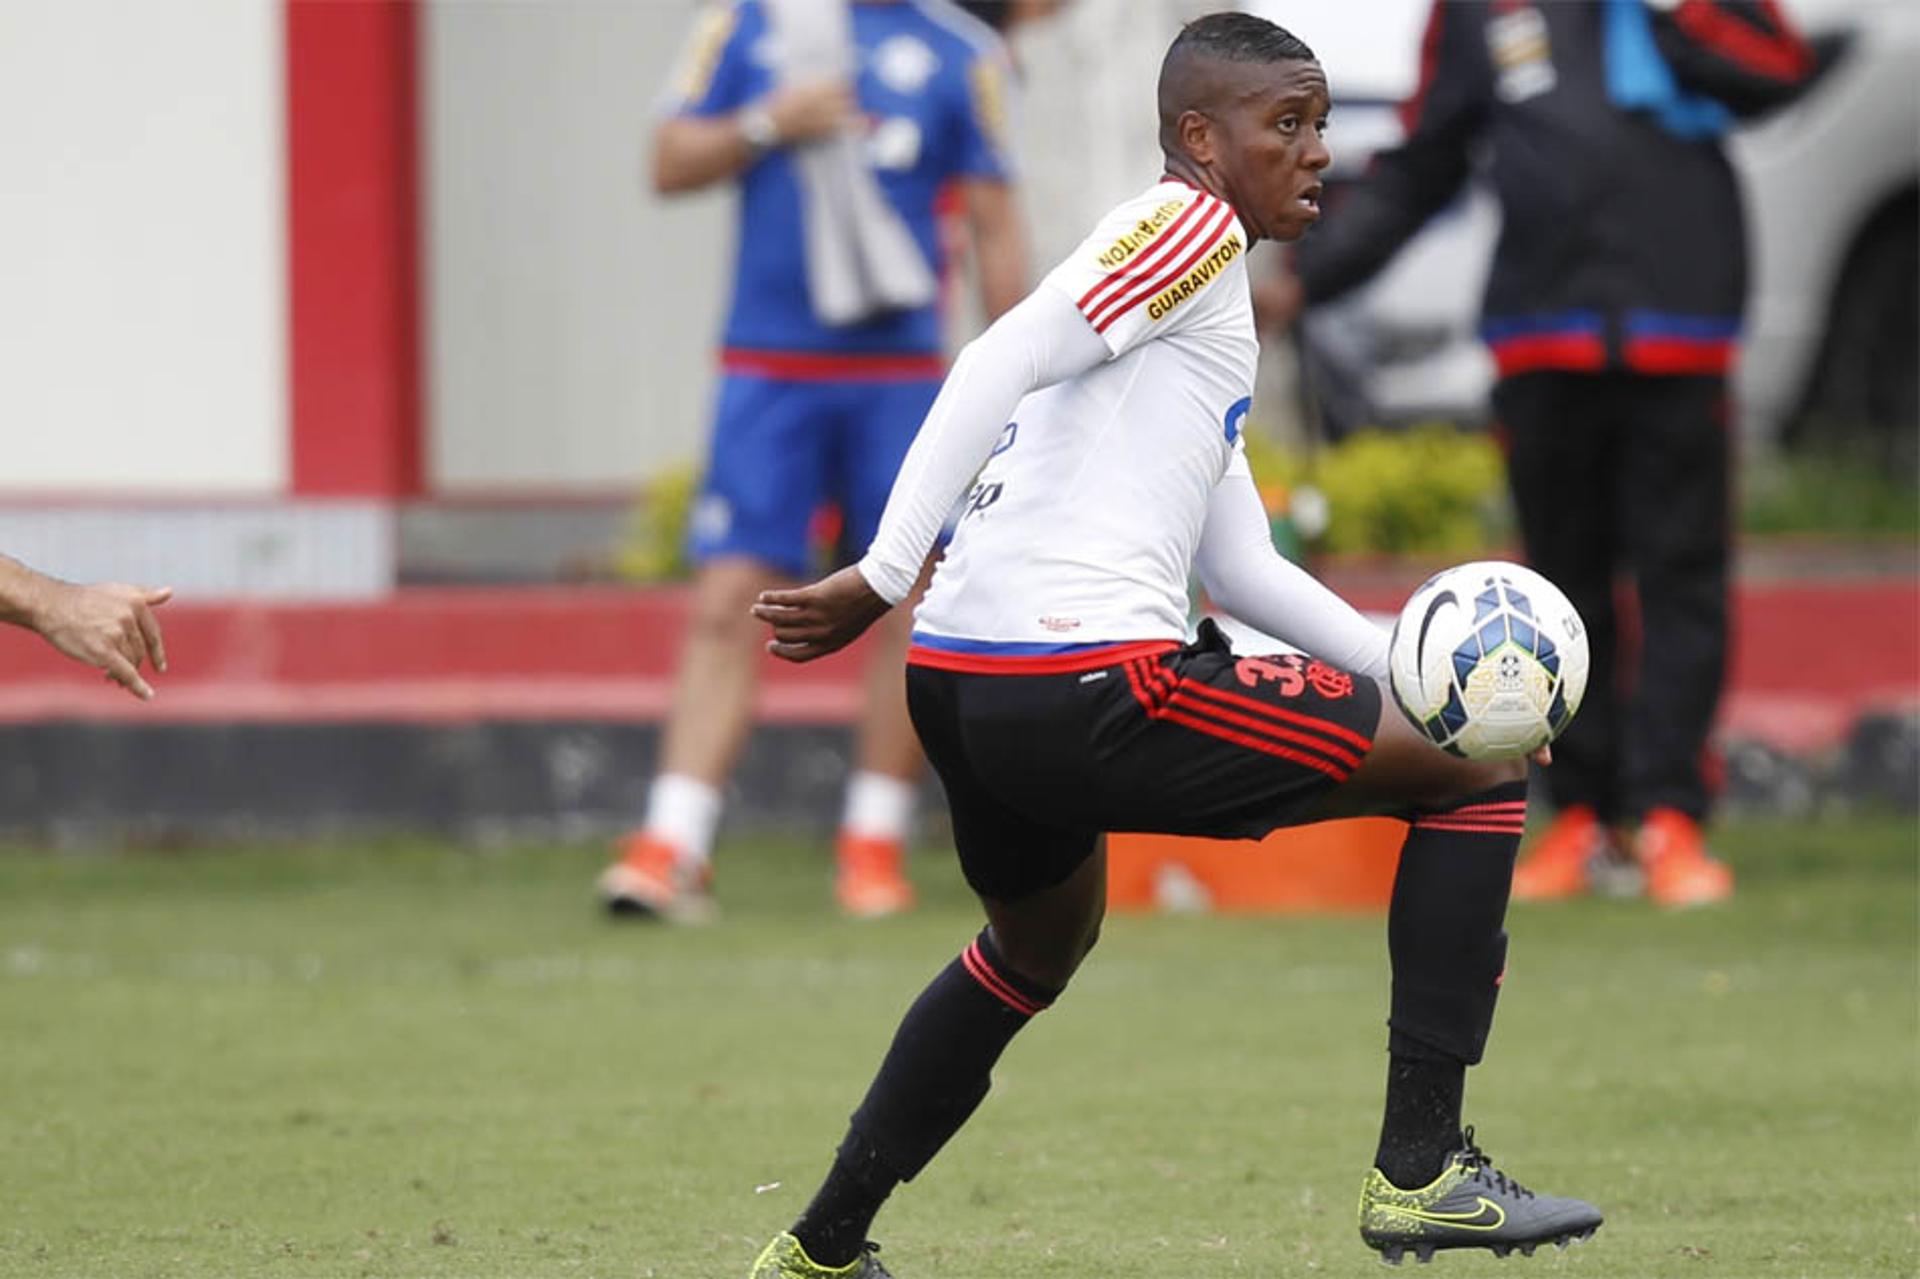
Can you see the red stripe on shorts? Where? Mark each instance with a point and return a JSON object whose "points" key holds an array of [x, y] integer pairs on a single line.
{"points": [[1314, 723], [1213, 729], [1338, 754]]}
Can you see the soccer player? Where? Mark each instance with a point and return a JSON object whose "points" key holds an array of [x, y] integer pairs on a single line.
{"points": [[110, 626], [814, 408], [1052, 690]]}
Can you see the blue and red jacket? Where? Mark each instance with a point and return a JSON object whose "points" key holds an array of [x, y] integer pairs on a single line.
{"points": [[1622, 244]]}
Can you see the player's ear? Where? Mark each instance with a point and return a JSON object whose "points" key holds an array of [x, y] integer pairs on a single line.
{"points": [[1195, 131]]}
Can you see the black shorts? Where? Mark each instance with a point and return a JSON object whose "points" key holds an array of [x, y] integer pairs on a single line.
{"points": [[1177, 740]]}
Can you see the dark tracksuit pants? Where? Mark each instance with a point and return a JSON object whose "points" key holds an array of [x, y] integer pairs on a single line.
{"points": [[1627, 474]]}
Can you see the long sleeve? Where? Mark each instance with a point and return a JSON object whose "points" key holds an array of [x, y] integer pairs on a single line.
{"points": [[1413, 181], [1043, 340], [1248, 578]]}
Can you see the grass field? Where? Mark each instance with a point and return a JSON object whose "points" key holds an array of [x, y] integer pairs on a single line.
{"points": [[418, 1061]]}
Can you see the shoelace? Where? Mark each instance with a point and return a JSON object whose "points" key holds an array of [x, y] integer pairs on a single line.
{"points": [[1480, 1165]]}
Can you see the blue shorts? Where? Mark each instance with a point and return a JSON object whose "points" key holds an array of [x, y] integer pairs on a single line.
{"points": [[782, 450]]}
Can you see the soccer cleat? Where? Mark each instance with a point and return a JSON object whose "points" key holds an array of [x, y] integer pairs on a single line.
{"points": [[784, 1258], [1680, 872], [1560, 864], [653, 881], [1471, 1204], [868, 882]]}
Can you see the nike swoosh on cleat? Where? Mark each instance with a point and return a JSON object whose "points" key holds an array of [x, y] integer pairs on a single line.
{"points": [[1488, 1216]]}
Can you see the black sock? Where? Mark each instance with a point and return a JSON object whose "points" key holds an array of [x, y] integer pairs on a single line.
{"points": [[934, 1076], [835, 1224], [1449, 955], [1422, 1123]]}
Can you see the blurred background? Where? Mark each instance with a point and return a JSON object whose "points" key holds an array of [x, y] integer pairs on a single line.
{"points": [[358, 324]]}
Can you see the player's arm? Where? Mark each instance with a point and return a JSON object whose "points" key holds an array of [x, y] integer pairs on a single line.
{"points": [[1415, 180], [716, 120], [691, 151], [1247, 577], [110, 626], [1743, 53], [999, 243], [1043, 340]]}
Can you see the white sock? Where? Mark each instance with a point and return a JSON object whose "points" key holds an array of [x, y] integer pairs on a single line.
{"points": [[683, 811], [878, 806]]}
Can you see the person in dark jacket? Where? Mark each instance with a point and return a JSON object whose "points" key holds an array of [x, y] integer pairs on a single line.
{"points": [[1612, 310]]}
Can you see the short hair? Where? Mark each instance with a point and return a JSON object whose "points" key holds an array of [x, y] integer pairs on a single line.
{"points": [[1239, 37]]}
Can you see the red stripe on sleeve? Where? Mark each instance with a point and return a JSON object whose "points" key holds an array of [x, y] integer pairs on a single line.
{"points": [[1153, 263], [1131, 268], [1429, 65], [1778, 55], [1209, 234]]}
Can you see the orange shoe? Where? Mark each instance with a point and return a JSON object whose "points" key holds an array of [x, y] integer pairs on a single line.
{"points": [[869, 882], [653, 880], [1680, 872], [1559, 865]]}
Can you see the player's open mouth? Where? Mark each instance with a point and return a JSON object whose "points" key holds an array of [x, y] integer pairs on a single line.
{"points": [[1310, 198]]}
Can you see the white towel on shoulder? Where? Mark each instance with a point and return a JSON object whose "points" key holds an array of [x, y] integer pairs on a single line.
{"points": [[861, 258]]}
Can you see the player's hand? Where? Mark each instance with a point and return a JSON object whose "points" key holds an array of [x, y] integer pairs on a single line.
{"points": [[809, 110], [812, 621], [110, 626]]}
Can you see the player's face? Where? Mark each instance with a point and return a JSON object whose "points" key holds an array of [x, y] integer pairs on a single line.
{"points": [[1274, 148]]}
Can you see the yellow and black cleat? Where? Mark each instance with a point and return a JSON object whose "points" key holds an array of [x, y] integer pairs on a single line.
{"points": [[1471, 1204], [784, 1258]]}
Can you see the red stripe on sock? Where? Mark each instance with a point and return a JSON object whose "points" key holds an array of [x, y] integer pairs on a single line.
{"points": [[1471, 828], [981, 971]]}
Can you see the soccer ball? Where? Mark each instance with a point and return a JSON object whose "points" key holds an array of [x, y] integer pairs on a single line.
{"points": [[1489, 660]]}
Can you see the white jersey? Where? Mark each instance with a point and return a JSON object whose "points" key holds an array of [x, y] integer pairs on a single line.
{"points": [[1082, 526]]}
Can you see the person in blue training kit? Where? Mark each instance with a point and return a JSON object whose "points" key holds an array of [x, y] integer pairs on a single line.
{"points": [[812, 410], [1612, 310]]}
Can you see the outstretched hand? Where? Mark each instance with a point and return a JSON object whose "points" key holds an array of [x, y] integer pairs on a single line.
{"points": [[812, 621], [110, 626]]}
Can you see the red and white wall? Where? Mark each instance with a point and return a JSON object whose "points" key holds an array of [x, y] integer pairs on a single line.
{"points": [[272, 271]]}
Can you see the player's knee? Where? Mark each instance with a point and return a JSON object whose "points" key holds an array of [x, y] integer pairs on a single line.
{"points": [[721, 612], [1499, 772], [1052, 959]]}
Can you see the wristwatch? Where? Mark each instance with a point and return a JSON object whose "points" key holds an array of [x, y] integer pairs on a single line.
{"points": [[758, 128]]}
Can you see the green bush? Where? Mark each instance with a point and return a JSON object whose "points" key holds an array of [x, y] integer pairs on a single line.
{"points": [[1429, 490], [655, 547], [1828, 495]]}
